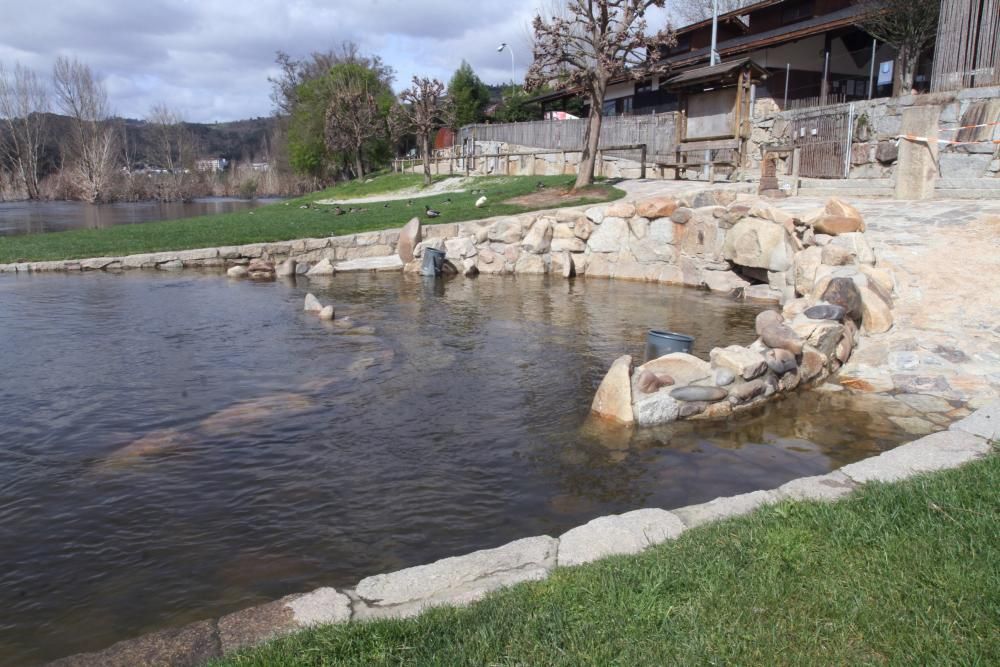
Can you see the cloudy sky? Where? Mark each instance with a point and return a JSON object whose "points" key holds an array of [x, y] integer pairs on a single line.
{"points": [[210, 59]]}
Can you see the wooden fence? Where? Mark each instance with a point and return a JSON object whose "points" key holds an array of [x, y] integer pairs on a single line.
{"points": [[505, 162], [658, 132]]}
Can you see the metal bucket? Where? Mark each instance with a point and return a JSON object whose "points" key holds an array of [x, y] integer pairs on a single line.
{"points": [[659, 343], [433, 263]]}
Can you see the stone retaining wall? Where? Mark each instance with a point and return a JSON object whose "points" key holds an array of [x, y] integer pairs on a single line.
{"points": [[878, 122], [819, 266], [461, 580]]}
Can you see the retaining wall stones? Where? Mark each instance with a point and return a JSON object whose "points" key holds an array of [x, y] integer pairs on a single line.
{"points": [[878, 123], [823, 271], [461, 580]]}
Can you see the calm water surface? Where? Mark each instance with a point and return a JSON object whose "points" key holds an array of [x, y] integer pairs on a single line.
{"points": [[26, 217], [175, 447]]}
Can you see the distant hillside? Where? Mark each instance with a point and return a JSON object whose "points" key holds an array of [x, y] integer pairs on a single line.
{"points": [[235, 140]]}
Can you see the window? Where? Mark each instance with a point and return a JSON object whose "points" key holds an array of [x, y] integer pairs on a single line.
{"points": [[683, 44], [644, 86], [609, 108], [798, 11]]}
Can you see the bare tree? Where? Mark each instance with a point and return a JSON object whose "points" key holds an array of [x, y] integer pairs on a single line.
{"points": [[174, 150], [353, 116], [24, 101], [423, 111], [592, 42], [93, 139], [695, 11], [910, 26]]}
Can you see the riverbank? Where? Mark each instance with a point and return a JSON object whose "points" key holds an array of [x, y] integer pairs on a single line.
{"points": [[899, 573], [295, 219]]}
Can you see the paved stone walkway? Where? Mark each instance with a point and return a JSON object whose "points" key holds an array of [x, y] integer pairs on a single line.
{"points": [[946, 339]]}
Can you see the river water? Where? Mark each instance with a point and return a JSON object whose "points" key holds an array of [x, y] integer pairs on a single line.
{"points": [[176, 447], [27, 217]]}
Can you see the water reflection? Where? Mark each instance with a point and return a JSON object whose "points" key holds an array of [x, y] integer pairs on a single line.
{"points": [[268, 452], [27, 217]]}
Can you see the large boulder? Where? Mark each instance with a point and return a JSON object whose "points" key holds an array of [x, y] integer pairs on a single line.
{"points": [[838, 224], [507, 230], [782, 337], [741, 361], [683, 368], [856, 247], [758, 243], [876, 308], [804, 266], [620, 209], [409, 236], [843, 292], [610, 236], [613, 399], [839, 207], [539, 237], [656, 207]]}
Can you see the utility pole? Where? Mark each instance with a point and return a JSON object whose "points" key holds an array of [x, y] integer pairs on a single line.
{"points": [[714, 56]]}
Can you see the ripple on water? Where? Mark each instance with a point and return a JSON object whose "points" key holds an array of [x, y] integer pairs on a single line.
{"points": [[177, 446]]}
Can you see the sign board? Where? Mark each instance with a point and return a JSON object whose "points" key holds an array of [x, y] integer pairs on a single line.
{"points": [[710, 114], [885, 73]]}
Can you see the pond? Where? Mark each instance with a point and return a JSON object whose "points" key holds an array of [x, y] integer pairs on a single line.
{"points": [[175, 447], [33, 217]]}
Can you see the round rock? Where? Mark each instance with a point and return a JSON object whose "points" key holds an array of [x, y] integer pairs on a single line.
{"points": [[844, 293], [724, 377], [766, 319], [780, 361], [825, 311], [694, 393]]}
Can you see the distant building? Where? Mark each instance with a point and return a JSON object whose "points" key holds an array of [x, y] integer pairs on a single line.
{"points": [[212, 164], [260, 166]]}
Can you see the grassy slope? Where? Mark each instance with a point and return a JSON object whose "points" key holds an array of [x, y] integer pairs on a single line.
{"points": [[897, 574], [280, 222]]}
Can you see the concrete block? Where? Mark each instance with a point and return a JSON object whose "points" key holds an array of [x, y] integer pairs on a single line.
{"points": [[628, 533]]}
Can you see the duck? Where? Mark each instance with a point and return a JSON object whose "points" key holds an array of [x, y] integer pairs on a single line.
{"points": [[539, 185], [385, 205], [431, 213], [481, 202], [448, 200], [338, 211]]}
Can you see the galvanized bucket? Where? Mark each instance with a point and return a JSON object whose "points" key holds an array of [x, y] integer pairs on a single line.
{"points": [[659, 343]]}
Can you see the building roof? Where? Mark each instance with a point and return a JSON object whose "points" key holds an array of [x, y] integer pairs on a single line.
{"points": [[791, 32], [722, 72], [749, 7]]}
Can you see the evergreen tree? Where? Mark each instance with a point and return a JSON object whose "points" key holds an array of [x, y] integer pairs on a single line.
{"points": [[469, 96]]}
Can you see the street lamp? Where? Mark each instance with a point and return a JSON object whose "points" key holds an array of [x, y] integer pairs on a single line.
{"points": [[505, 45]]}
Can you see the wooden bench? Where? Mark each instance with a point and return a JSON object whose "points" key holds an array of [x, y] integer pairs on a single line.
{"points": [[692, 155]]}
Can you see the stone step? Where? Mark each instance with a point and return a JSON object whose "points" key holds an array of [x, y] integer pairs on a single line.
{"points": [[991, 185], [850, 184], [840, 192]]}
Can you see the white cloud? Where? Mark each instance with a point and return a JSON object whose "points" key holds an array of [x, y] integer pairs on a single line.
{"points": [[210, 59]]}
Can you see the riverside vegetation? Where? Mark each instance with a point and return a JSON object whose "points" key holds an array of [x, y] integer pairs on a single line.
{"points": [[302, 218], [902, 573]]}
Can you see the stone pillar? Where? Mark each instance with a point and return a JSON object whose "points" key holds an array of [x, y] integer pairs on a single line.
{"points": [[917, 170]]}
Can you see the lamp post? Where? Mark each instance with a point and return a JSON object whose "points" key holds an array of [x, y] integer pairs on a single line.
{"points": [[505, 45]]}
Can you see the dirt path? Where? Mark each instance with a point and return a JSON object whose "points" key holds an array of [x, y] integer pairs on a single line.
{"points": [[454, 184]]}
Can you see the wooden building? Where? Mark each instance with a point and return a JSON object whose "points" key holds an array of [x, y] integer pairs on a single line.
{"points": [[811, 50]]}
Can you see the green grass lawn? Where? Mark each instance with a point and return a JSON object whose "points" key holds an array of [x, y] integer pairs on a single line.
{"points": [[285, 221], [905, 574]]}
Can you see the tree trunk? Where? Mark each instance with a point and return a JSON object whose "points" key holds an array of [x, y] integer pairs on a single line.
{"points": [[909, 72], [425, 146], [359, 165], [591, 137]]}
